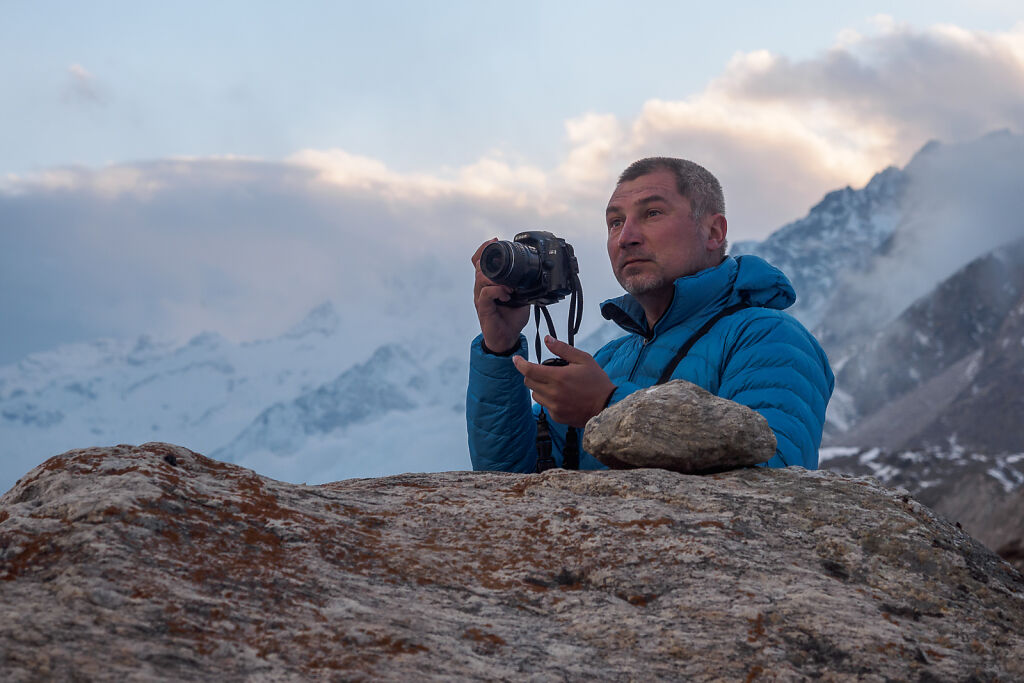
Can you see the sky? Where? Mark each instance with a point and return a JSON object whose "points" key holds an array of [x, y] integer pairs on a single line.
{"points": [[168, 168]]}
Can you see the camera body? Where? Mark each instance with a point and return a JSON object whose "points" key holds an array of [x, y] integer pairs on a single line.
{"points": [[539, 267]]}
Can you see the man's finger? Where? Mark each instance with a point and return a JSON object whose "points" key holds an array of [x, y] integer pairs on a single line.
{"points": [[563, 350], [533, 373], [495, 292], [483, 281]]}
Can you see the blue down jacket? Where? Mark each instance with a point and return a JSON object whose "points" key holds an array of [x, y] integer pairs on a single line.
{"points": [[760, 357]]}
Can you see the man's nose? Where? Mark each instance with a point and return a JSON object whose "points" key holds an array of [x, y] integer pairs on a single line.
{"points": [[630, 234]]}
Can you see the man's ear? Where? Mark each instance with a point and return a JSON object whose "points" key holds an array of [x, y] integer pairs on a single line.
{"points": [[716, 228]]}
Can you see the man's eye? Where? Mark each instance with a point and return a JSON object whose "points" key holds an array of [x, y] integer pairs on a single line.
{"points": [[615, 223], [653, 212]]}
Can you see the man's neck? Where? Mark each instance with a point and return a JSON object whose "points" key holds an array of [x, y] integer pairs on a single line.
{"points": [[655, 303]]}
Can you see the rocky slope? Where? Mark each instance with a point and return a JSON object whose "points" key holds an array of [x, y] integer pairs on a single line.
{"points": [[158, 562], [983, 493]]}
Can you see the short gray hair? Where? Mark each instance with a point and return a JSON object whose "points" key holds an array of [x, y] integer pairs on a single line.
{"points": [[693, 181]]}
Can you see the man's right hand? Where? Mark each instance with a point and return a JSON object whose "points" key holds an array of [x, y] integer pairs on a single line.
{"points": [[500, 325]]}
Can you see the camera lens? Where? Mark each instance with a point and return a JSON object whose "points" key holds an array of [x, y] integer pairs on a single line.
{"points": [[512, 264], [496, 260]]}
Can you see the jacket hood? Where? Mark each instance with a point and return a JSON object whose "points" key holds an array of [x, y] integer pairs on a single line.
{"points": [[762, 284], [747, 279]]}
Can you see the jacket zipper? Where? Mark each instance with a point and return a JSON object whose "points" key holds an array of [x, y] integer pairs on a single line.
{"points": [[639, 357]]}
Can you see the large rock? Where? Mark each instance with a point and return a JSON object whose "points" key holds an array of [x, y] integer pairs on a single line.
{"points": [[681, 427], [156, 562]]}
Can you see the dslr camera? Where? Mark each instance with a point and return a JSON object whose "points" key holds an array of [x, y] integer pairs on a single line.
{"points": [[539, 267]]}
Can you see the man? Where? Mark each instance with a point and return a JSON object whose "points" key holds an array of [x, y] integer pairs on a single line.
{"points": [[666, 242]]}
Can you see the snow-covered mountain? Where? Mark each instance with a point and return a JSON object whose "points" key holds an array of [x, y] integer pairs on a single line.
{"points": [[202, 394], [915, 286], [911, 284], [861, 257], [844, 233], [394, 413]]}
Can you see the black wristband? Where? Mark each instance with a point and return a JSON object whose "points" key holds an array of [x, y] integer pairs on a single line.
{"points": [[506, 354], [609, 399]]}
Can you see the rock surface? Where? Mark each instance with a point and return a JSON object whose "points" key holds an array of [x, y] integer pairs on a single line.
{"points": [[982, 493], [681, 427], [154, 561]]}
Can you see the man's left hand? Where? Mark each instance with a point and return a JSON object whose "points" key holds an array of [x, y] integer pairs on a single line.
{"points": [[572, 393]]}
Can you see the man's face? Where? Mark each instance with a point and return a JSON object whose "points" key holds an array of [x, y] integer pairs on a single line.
{"points": [[652, 237]]}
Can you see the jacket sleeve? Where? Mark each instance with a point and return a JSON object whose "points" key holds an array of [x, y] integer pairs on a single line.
{"points": [[774, 366], [499, 417], [623, 386]]}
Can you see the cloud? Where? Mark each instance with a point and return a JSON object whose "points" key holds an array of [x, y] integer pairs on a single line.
{"points": [[246, 246], [242, 247], [594, 141], [82, 87], [487, 179], [945, 81], [780, 133]]}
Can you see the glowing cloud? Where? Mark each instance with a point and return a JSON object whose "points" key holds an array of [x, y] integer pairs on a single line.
{"points": [[488, 178]]}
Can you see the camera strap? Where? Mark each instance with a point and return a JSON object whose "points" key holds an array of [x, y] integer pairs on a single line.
{"points": [[575, 317], [666, 374], [571, 452], [544, 460], [575, 308], [537, 310]]}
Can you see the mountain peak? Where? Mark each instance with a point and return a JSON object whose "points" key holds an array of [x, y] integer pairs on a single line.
{"points": [[928, 149], [323, 319]]}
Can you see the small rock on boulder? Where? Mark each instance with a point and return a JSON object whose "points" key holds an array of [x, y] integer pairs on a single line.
{"points": [[681, 427]]}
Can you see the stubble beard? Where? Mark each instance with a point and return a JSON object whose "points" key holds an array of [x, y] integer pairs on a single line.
{"points": [[639, 284]]}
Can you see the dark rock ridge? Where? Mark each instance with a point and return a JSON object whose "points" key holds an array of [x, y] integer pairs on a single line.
{"points": [[932, 403], [951, 364], [156, 562]]}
